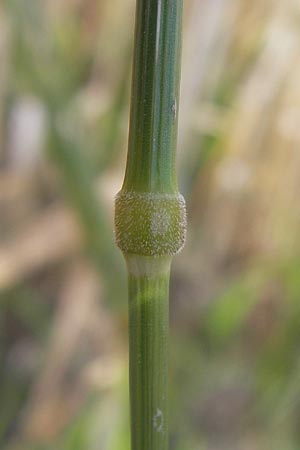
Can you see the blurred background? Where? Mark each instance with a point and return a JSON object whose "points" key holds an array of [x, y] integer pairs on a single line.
{"points": [[235, 289]]}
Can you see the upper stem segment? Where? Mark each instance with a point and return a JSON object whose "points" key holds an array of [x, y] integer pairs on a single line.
{"points": [[155, 97]]}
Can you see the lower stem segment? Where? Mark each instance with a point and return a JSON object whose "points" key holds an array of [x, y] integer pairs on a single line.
{"points": [[148, 351]]}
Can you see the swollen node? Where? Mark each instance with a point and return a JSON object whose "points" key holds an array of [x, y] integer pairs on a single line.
{"points": [[150, 224]]}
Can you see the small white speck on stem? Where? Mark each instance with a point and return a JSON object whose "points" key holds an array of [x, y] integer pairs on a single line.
{"points": [[158, 421]]}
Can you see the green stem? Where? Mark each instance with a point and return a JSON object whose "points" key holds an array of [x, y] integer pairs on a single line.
{"points": [[150, 214], [148, 333], [155, 97]]}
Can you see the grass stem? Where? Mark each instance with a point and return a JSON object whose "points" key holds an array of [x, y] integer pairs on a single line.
{"points": [[150, 214]]}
